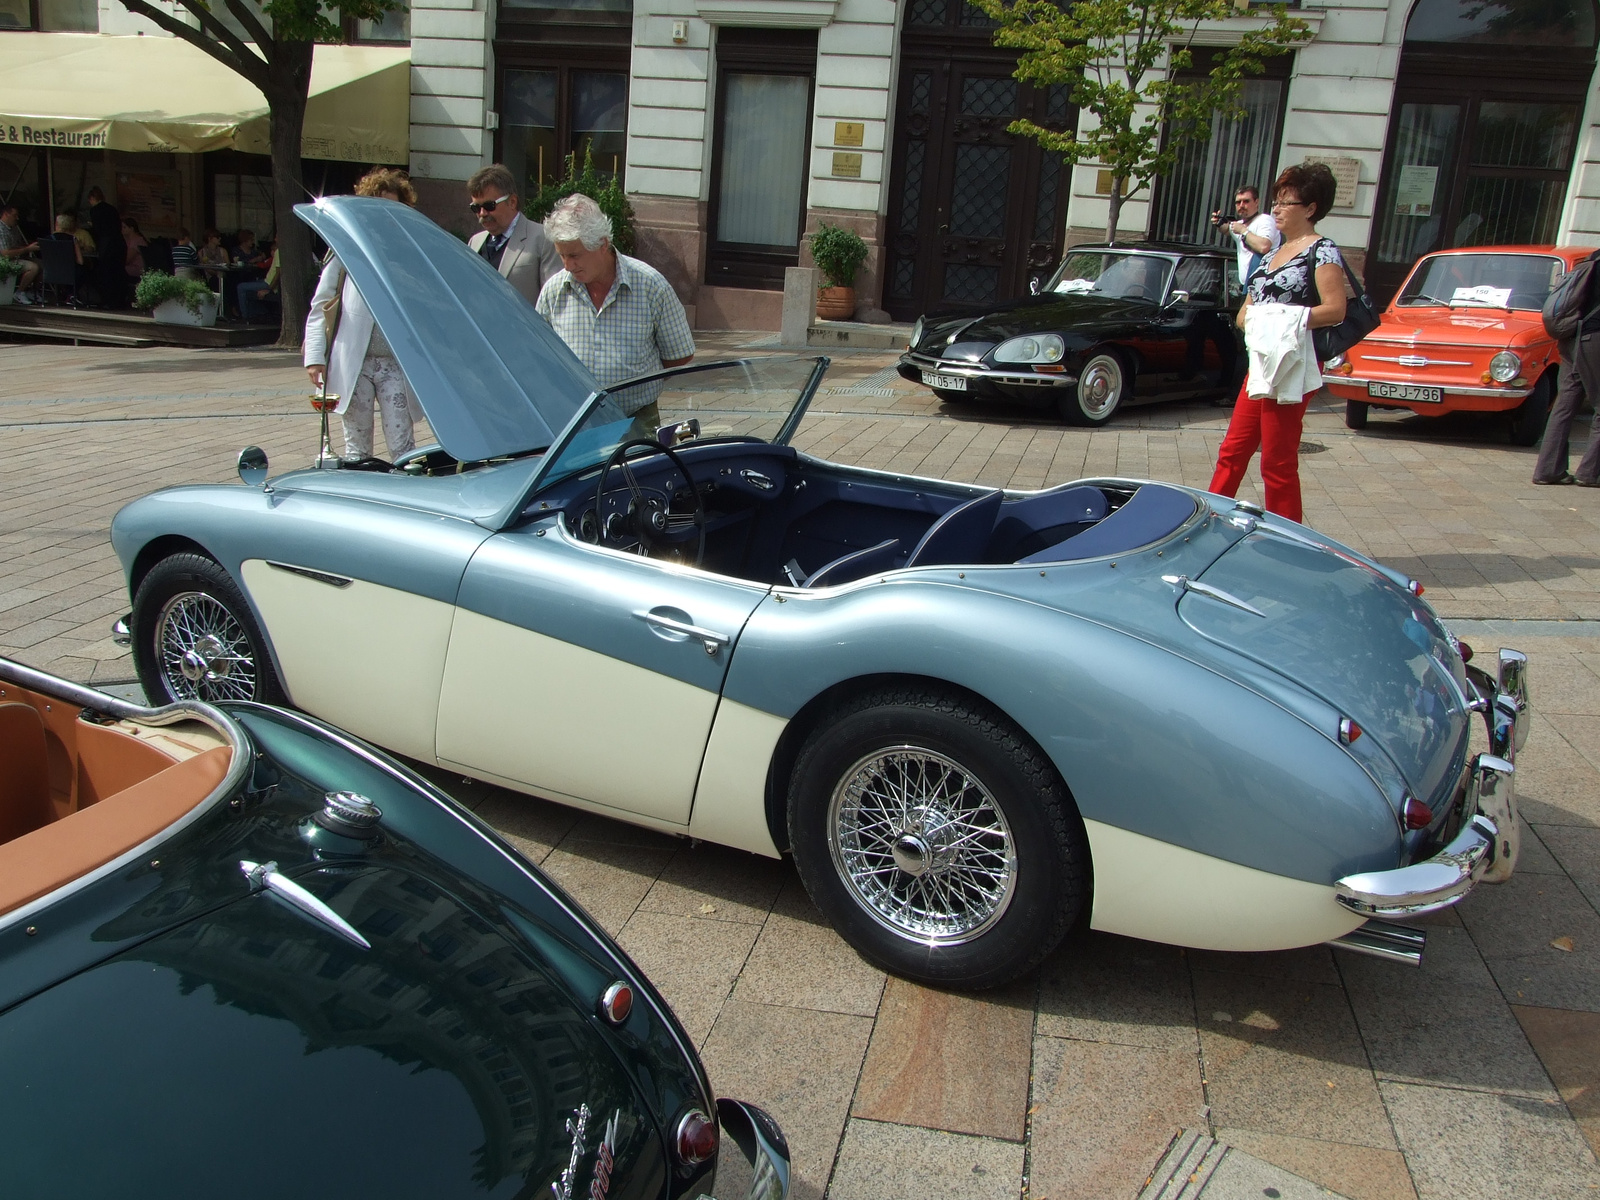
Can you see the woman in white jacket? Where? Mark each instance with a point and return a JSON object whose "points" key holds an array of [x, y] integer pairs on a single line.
{"points": [[1298, 289], [361, 368]]}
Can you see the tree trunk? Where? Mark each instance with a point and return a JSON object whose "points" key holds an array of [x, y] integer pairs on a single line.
{"points": [[289, 83], [1115, 208]]}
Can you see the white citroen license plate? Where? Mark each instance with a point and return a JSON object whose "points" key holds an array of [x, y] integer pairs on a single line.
{"points": [[1406, 391], [953, 383]]}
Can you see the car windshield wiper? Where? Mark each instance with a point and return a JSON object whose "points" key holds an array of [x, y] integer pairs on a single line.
{"points": [[1425, 298]]}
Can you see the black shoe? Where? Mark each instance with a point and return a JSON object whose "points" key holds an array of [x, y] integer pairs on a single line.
{"points": [[1564, 477], [1587, 482]]}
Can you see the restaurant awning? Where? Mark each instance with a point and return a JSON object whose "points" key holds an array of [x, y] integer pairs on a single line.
{"points": [[92, 91]]}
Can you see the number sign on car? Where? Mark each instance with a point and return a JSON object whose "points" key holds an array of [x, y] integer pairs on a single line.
{"points": [[1406, 391], [954, 383]]}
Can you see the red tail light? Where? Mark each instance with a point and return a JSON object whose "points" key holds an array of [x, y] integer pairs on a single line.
{"points": [[1466, 652], [1349, 731], [1415, 588], [616, 1003], [697, 1138], [1416, 814]]}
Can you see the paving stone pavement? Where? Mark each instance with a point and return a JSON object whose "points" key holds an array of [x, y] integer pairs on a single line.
{"points": [[1476, 1076]]}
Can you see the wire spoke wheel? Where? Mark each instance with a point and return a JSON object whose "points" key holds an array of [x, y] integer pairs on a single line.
{"points": [[204, 652], [922, 845]]}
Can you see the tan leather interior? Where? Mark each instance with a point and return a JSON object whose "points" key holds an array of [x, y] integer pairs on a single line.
{"points": [[55, 854], [75, 794]]}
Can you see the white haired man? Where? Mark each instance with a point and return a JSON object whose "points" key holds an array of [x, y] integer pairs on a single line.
{"points": [[619, 316]]}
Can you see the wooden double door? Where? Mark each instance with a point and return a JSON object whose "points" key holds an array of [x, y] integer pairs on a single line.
{"points": [[974, 211]]}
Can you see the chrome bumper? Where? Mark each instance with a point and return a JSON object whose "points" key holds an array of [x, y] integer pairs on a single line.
{"points": [[122, 630], [760, 1169], [939, 366], [1486, 848]]}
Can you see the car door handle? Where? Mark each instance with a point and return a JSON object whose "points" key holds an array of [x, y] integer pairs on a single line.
{"points": [[265, 876], [709, 638]]}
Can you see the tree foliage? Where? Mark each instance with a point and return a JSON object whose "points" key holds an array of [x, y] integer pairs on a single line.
{"points": [[274, 53], [604, 191], [1124, 62]]}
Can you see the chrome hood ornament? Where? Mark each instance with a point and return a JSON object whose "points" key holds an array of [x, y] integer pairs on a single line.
{"points": [[492, 376]]}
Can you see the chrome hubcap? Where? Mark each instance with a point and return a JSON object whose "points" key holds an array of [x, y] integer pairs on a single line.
{"points": [[204, 652], [1099, 386], [922, 845]]}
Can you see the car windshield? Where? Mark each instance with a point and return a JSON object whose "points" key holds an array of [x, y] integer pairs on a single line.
{"points": [[1122, 275], [1514, 281], [757, 398]]}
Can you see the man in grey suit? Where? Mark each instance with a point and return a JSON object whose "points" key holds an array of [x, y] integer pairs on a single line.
{"points": [[510, 243]]}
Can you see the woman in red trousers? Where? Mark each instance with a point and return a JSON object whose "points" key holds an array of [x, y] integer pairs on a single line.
{"points": [[1306, 272]]}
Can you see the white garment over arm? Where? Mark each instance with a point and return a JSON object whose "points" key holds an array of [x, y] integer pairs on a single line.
{"points": [[1283, 359]]}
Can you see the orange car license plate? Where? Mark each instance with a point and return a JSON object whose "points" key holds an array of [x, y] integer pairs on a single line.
{"points": [[1406, 391]]}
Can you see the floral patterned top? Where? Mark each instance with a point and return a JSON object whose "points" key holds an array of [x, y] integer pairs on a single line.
{"points": [[1295, 281]]}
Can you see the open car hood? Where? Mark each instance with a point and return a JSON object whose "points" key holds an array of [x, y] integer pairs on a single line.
{"points": [[493, 378]]}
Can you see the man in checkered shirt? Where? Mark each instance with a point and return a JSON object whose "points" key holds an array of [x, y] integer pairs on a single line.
{"points": [[619, 315]]}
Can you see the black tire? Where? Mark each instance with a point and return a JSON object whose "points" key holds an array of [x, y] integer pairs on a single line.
{"points": [[1528, 419], [1355, 414], [185, 599], [1104, 382], [1035, 857]]}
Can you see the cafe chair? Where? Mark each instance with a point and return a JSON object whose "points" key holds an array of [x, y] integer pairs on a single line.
{"points": [[58, 263]]}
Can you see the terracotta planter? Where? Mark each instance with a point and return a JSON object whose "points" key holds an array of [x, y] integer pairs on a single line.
{"points": [[836, 303]]}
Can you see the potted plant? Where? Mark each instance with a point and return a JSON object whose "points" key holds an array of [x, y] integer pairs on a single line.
{"points": [[603, 190], [174, 301], [838, 254], [10, 272]]}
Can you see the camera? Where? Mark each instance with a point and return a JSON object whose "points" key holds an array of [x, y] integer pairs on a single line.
{"points": [[1218, 220]]}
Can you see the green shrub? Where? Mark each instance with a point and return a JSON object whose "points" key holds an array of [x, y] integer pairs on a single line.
{"points": [[607, 193], [10, 268], [838, 254], [156, 287]]}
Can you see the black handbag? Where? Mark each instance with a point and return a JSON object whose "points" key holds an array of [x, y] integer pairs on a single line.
{"points": [[1360, 319]]}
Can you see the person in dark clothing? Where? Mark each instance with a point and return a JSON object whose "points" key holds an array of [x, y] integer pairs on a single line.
{"points": [[1580, 377], [105, 223]]}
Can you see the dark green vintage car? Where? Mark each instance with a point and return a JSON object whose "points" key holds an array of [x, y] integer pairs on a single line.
{"points": [[1114, 326], [243, 954]]}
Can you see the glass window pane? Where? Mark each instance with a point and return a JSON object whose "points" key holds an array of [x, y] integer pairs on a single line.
{"points": [[1501, 212], [1564, 23], [1524, 135], [393, 26], [763, 159], [1418, 178], [573, 5], [528, 128], [69, 16], [1210, 170], [15, 14], [600, 118]]}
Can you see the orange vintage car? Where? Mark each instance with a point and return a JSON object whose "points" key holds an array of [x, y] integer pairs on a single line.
{"points": [[1463, 334]]}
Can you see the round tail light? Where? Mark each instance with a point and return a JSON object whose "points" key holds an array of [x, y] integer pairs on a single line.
{"points": [[697, 1138], [616, 1003], [1416, 814], [1466, 652]]}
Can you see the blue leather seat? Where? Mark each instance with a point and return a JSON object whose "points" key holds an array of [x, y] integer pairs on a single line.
{"points": [[1028, 520], [854, 565], [1152, 513], [961, 535]]}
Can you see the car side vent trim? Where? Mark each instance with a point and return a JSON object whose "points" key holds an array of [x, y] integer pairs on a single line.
{"points": [[338, 581]]}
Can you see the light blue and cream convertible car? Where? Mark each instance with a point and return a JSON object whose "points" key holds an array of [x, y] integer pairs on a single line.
{"points": [[975, 717]]}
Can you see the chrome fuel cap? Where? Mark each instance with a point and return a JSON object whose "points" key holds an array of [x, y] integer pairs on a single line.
{"points": [[349, 813]]}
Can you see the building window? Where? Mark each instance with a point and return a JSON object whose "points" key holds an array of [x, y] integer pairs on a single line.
{"points": [[765, 80], [1238, 153], [51, 16], [393, 28], [550, 113]]}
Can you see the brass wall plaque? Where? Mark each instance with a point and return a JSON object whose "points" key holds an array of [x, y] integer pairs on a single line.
{"points": [[846, 165], [1102, 183], [849, 133]]}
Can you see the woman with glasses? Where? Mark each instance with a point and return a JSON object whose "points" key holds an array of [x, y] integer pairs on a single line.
{"points": [[1301, 287], [361, 369]]}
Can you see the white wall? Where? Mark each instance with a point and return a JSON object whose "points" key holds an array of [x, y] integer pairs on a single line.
{"points": [[1580, 218], [451, 87], [668, 99], [855, 77]]}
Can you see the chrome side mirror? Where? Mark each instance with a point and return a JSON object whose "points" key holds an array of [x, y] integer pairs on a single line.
{"points": [[1178, 296], [253, 467], [1033, 287], [678, 433], [760, 1169]]}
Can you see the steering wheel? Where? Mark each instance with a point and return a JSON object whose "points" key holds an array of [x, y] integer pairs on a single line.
{"points": [[638, 512]]}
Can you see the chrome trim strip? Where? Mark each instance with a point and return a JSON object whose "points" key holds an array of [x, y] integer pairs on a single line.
{"points": [[625, 967], [267, 876], [1417, 360], [184, 710], [939, 366], [1447, 388], [338, 581]]}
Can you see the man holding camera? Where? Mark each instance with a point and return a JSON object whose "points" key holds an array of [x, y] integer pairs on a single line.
{"points": [[1255, 234]]}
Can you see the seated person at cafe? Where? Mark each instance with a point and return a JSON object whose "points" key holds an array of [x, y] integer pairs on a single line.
{"points": [[185, 258], [16, 244], [66, 226], [214, 254], [258, 298], [135, 242], [82, 236], [246, 252]]}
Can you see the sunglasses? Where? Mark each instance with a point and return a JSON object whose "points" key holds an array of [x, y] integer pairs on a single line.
{"points": [[487, 206]]}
